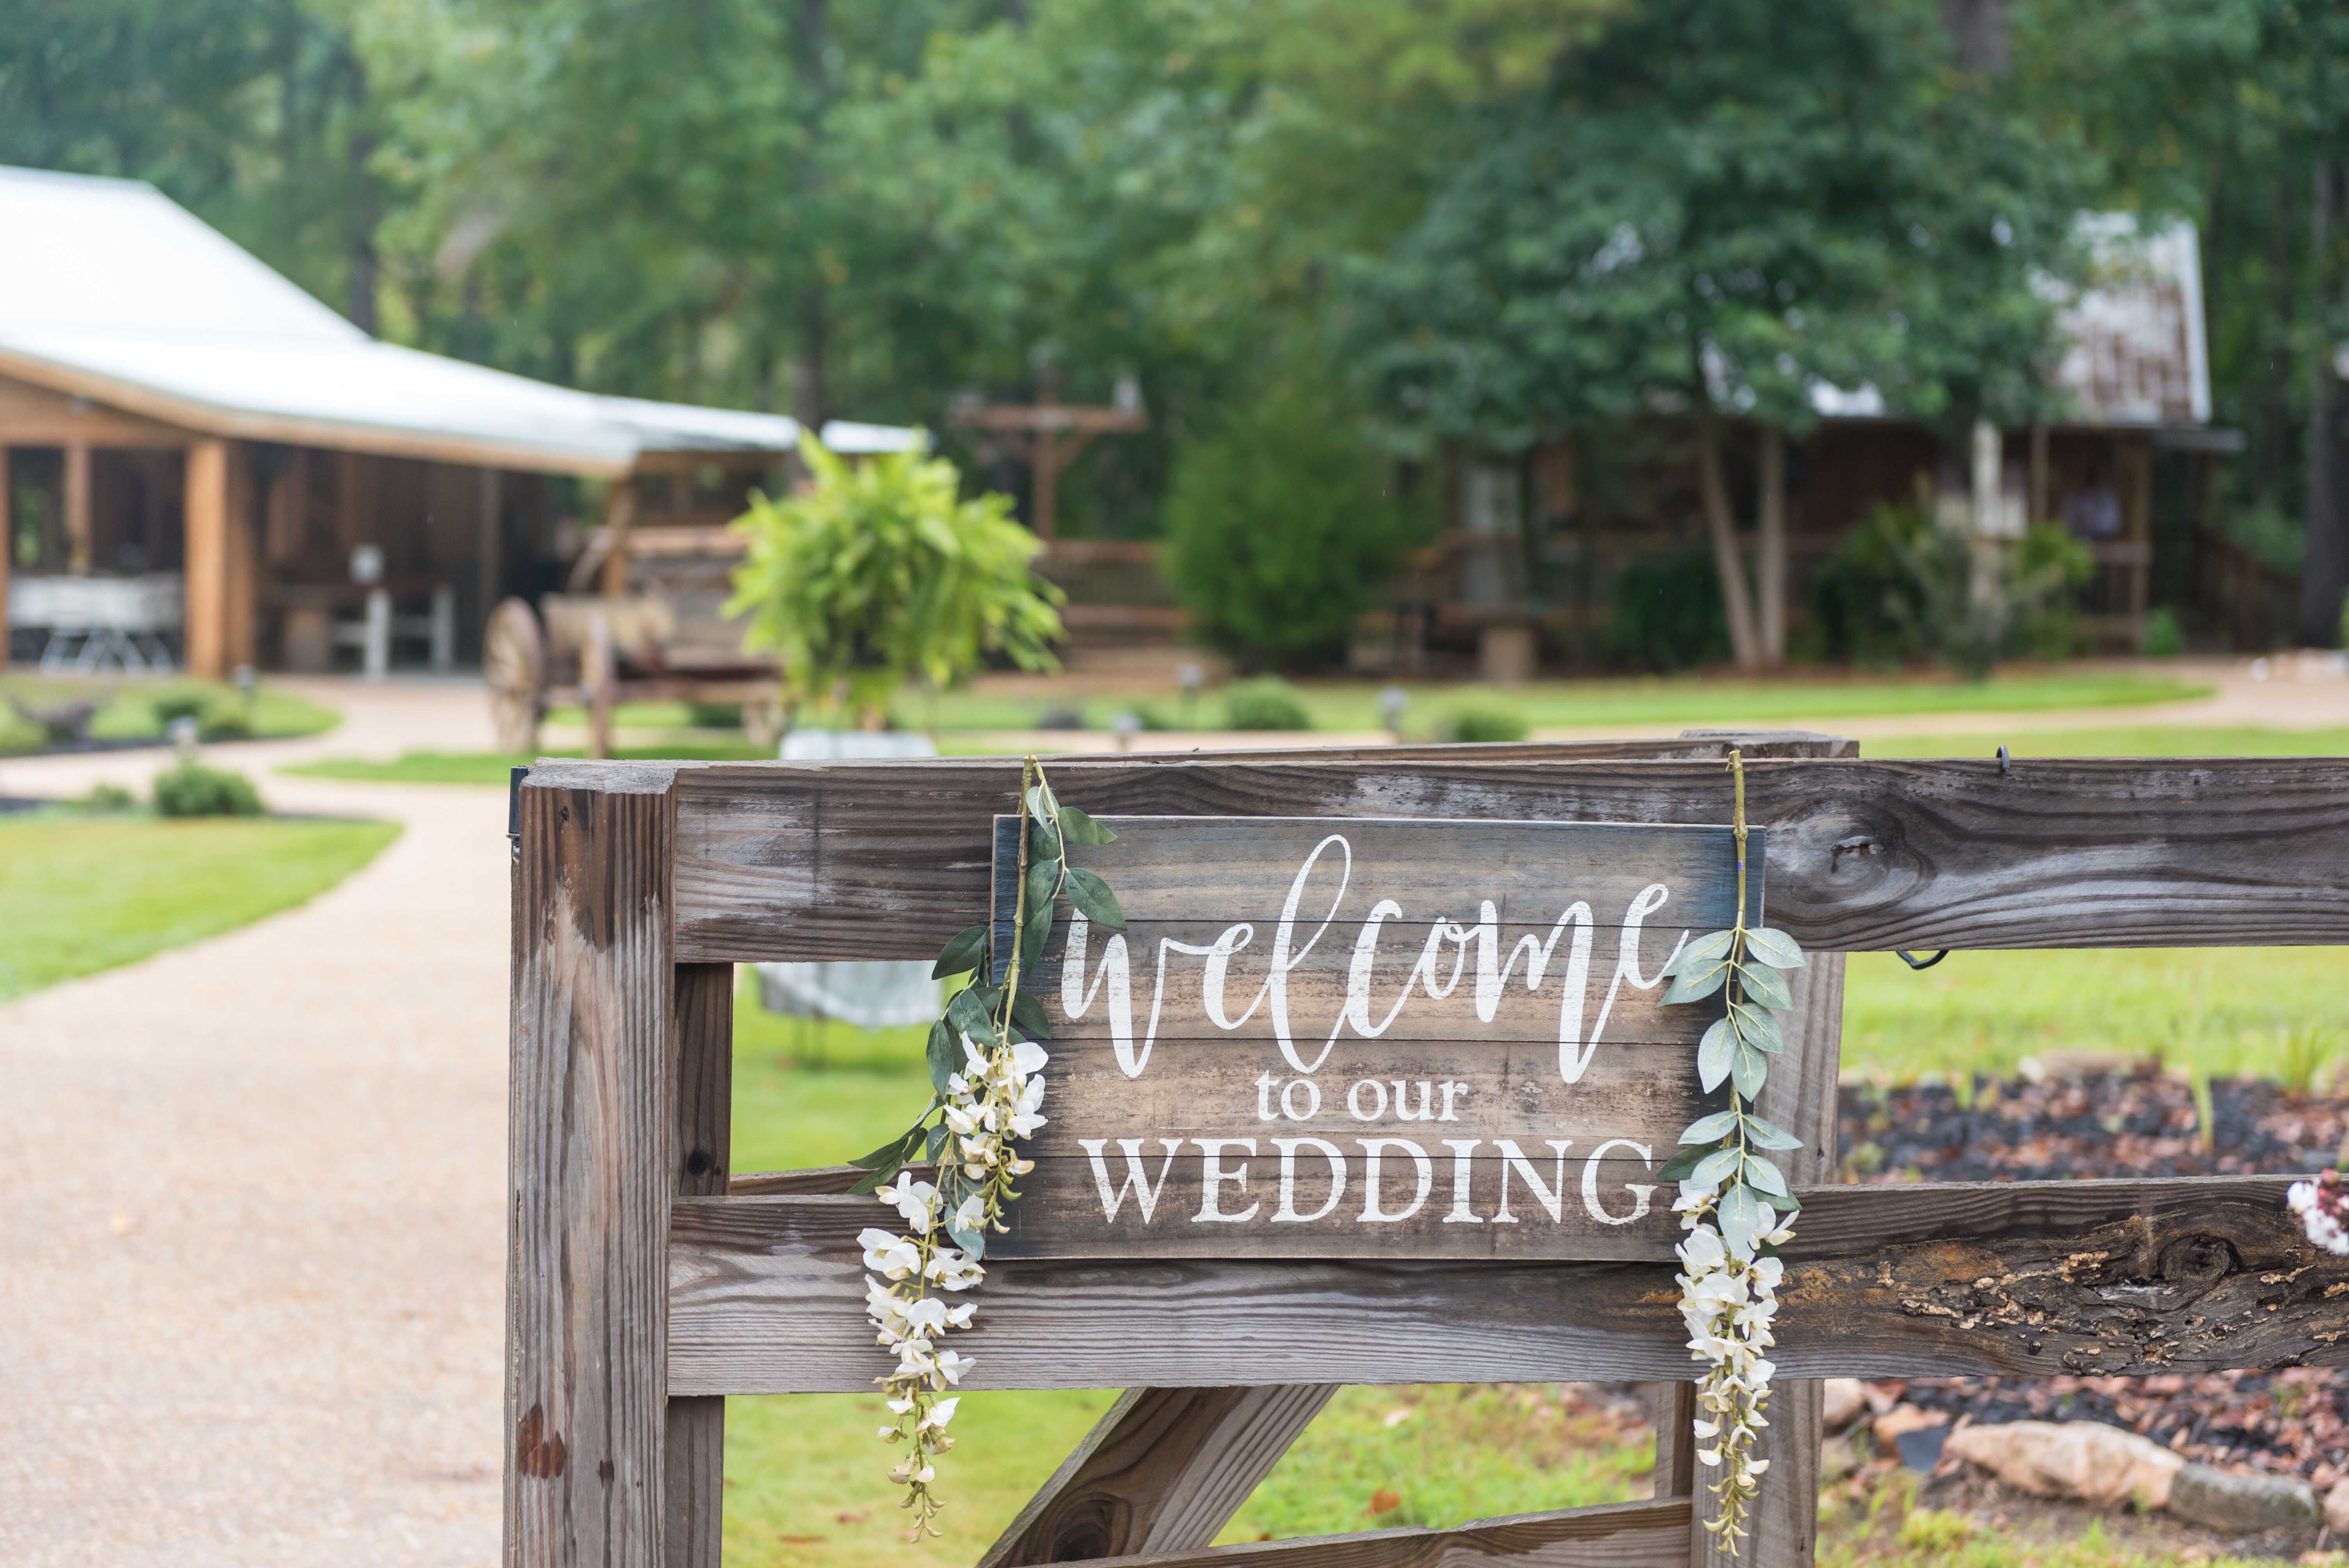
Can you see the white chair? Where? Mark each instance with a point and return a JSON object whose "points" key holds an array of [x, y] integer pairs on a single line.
{"points": [[871, 995], [98, 624]]}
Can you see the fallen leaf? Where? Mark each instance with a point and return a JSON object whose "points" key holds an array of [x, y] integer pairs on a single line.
{"points": [[1385, 1501]]}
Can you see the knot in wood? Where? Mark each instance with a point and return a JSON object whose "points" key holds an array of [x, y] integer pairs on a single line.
{"points": [[2193, 1266], [1840, 856]]}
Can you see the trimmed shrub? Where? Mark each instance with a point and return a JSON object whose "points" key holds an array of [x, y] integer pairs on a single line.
{"points": [[191, 789], [181, 704], [224, 724], [1264, 705], [1487, 724], [1664, 612], [108, 797], [1282, 530], [714, 715], [2163, 638]]}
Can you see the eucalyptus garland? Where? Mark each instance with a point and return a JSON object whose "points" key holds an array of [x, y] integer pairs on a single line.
{"points": [[984, 1059], [1734, 1204]]}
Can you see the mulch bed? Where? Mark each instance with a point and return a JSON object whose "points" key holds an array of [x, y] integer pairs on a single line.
{"points": [[2133, 1123]]}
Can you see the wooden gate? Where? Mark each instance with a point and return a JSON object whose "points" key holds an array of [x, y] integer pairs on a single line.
{"points": [[647, 1281]]}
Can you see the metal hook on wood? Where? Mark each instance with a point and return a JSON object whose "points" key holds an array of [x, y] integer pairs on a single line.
{"points": [[1914, 962], [2003, 760]]}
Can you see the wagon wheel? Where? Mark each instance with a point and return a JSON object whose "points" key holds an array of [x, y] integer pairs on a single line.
{"points": [[513, 663], [599, 680]]}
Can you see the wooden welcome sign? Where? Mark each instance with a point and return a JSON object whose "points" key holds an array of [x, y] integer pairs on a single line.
{"points": [[1338, 1037]]}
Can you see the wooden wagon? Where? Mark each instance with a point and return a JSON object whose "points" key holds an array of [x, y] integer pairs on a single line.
{"points": [[657, 631], [648, 1280]]}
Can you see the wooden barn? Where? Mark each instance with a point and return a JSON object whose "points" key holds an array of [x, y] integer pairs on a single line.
{"points": [[200, 464], [1536, 539]]}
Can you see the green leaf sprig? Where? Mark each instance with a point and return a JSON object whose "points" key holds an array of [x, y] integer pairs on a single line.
{"points": [[1724, 1150], [1735, 1204]]}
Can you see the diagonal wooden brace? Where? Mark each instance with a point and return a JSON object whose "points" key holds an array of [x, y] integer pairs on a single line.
{"points": [[1162, 1471]]}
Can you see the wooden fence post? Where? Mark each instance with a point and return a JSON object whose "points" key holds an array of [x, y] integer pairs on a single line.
{"points": [[695, 1463], [589, 1149]]}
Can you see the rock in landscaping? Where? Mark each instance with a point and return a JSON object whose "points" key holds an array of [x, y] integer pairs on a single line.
{"points": [[2336, 1508], [2084, 1460], [2226, 1500], [1900, 1420], [1841, 1401]]}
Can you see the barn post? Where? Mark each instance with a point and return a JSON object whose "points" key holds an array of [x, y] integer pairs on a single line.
{"points": [[592, 1151], [208, 558]]}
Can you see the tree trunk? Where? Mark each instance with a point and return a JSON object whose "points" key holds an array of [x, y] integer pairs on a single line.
{"points": [[807, 365], [2325, 565], [1714, 490], [1770, 566], [1977, 30], [810, 28]]}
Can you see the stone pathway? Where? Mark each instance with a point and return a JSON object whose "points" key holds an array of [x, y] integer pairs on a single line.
{"points": [[252, 1248]]}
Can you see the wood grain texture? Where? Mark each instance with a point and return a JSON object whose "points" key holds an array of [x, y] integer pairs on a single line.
{"points": [[1222, 869], [694, 1446], [2010, 1278], [591, 1185], [888, 859], [1671, 1411], [1162, 1471], [1619, 1535]]}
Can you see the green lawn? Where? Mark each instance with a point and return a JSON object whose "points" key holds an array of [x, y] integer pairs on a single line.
{"points": [[2121, 740], [1679, 700], [493, 766], [78, 894], [126, 707]]}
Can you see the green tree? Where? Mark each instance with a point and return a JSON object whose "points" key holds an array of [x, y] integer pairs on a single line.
{"points": [[880, 574], [1713, 208], [1282, 528], [2235, 114]]}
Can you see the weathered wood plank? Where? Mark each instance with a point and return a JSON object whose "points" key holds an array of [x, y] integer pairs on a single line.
{"points": [[1619, 1535], [1225, 868], [1303, 942], [888, 859], [2022, 1278], [1162, 1471], [591, 1187], [1671, 1411], [694, 1447]]}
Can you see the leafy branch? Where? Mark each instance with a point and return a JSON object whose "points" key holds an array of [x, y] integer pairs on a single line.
{"points": [[985, 1098], [1735, 1204]]}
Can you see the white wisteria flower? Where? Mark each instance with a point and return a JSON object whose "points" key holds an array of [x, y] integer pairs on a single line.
{"points": [[989, 1095], [2323, 1206]]}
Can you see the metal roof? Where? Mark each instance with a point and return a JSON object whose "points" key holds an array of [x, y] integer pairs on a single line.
{"points": [[2135, 352], [109, 290]]}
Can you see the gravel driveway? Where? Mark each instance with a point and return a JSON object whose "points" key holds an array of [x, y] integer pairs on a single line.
{"points": [[251, 1263]]}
